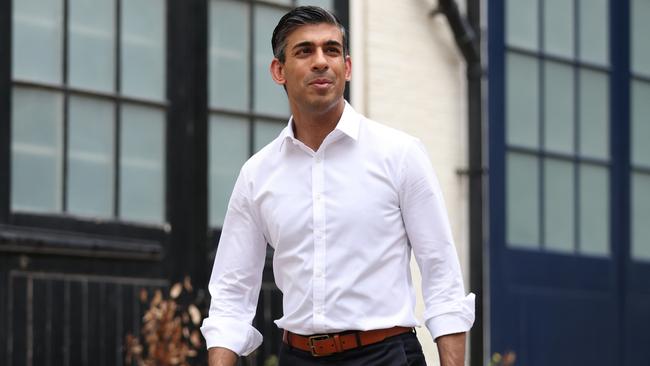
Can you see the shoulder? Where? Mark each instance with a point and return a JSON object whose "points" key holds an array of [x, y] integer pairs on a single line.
{"points": [[387, 139]]}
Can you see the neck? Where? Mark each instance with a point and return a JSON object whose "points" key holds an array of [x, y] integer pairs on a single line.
{"points": [[311, 126]]}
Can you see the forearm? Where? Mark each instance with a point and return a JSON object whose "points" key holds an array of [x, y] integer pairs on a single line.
{"points": [[451, 348], [219, 356]]}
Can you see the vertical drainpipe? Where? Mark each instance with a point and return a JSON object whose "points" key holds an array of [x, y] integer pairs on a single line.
{"points": [[467, 35]]}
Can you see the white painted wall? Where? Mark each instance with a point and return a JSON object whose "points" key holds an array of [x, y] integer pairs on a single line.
{"points": [[408, 73]]}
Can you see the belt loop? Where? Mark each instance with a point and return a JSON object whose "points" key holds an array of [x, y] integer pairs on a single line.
{"points": [[337, 343]]}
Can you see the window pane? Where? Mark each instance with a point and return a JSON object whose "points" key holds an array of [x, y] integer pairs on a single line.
{"points": [[326, 4], [266, 131], [558, 107], [558, 27], [270, 97], [228, 152], [90, 157], [92, 44], [594, 31], [640, 28], [142, 169], [229, 57], [522, 100], [594, 114], [640, 216], [558, 206], [640, 123], [37, 39], [522, 195], [143, 48], [522, 23], [36, 150], [594, 210]]}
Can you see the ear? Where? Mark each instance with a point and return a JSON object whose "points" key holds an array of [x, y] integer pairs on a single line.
{"points": [[348, 68], [277, 72]]}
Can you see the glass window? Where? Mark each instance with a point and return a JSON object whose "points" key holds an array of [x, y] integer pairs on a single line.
{"points": [[640, 202], [522, 23], [326, 4], [522, 186], [38, 36], [593, 107], [90, 157], [229, 150], [558, 27], [91, 50], [640, 28], [522, 100], [36, 150], [593, 40], [142, 173], [594, 210], [229, 55], [558, 205], [640, 134], [266, 131], [270, 98], [143, 49], [558, 107]]}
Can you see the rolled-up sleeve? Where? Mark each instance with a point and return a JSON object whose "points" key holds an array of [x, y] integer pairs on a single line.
{"points": [[236, 277], [448, 309]]}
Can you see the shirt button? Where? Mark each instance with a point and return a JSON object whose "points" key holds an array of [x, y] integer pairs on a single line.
{"points": [[318, 159], [318, 196]]}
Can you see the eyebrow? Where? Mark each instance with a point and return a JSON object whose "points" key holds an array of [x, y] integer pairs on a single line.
{"points": [[311, 44]]}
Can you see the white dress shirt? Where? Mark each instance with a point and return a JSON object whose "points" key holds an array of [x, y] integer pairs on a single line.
{"points": [[342, 221]]}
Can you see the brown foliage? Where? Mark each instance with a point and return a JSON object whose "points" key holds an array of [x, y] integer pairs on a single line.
{"points": [[170, 330]]}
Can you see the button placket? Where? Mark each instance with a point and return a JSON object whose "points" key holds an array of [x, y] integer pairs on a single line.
{"points": [[318, 277]]}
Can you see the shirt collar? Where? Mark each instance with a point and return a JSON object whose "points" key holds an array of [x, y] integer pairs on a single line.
{"points": [[348, 124]]}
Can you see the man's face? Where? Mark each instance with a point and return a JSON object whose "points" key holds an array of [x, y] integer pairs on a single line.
{"points": [[315, 70]]}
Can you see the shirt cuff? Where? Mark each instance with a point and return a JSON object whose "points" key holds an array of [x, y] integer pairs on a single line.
{"points": [[237, 336], [458, 320]]}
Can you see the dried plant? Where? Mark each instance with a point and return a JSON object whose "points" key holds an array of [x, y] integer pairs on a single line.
{"points": [[507, 359], [170, 329]]}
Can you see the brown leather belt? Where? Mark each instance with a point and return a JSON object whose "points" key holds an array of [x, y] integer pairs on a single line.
{"points": [[329, 344]]}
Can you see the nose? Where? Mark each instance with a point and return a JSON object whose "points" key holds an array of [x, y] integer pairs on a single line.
{"points": [[320, 61]]}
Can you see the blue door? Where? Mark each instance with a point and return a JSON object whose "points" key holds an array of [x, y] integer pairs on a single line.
{"points": [[569, 149]]}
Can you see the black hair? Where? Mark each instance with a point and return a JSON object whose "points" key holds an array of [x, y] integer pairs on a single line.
{"points": [[298, 17]]}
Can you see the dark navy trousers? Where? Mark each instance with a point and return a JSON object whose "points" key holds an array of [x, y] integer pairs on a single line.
{"points": [[400, 350]]}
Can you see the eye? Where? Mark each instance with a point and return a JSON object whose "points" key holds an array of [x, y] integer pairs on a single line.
{"points": [[333, 50], [303, 51]]}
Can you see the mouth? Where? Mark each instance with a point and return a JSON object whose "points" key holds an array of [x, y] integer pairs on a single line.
{"points": [[321, 83]]}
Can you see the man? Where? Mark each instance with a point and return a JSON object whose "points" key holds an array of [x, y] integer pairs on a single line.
{"points": [[342, 200]]}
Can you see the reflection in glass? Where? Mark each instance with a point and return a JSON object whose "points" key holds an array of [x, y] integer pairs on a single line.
{"points": [[558, 107], [558, 206], [594, 210], [142, 173], [266, 131], [522, 100], [640, 29], [37, 41], [594, 114], [90, 157], [229, 58], [522, 200], [143, 49], [558, 27], [270, 97], [522, 23], [36, 150], [593, 40], [229, 150], [640, 123], [92, 44]]}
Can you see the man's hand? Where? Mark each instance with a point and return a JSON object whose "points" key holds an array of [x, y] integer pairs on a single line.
{"points": [[219, 356], [451, 348]]}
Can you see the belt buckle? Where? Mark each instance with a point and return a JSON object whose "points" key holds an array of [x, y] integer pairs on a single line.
{"points": [[319, 337]]}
